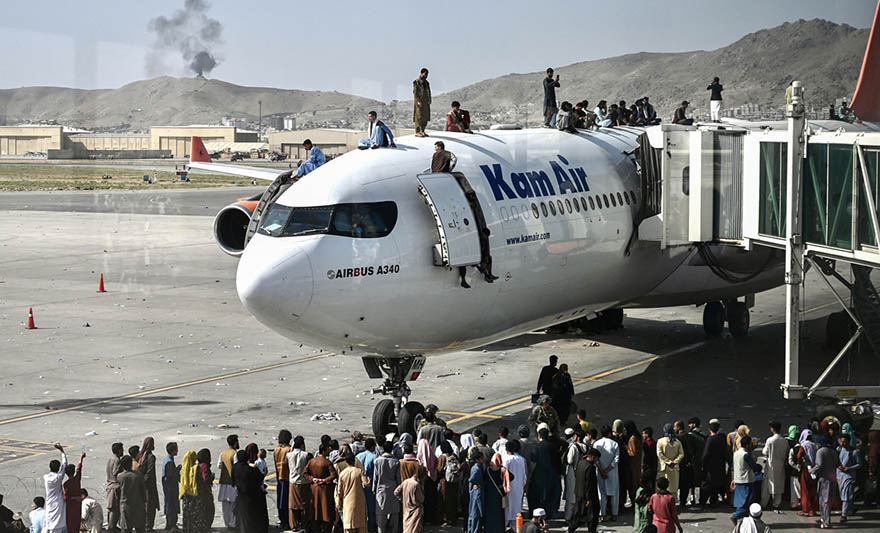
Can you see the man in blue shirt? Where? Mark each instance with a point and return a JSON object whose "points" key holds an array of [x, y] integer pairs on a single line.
{"points": [[315, 160], [378, 134], [475, 488], [38, 515]]}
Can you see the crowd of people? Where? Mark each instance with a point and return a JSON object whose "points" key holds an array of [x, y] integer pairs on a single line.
{"points": [[557, 466]]}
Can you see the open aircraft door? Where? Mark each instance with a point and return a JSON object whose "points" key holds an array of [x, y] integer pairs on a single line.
{"points": [[458, 216]]}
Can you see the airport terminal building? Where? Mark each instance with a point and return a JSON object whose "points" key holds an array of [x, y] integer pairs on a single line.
{"points": [[60, 142]]}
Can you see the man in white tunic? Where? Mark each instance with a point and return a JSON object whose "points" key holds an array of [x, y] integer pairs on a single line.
{"points": [[573, 456], [609, 479], [56, 510], [516, 466], [776, 454]]}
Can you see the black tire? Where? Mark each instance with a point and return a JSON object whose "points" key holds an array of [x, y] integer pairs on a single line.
{"points": [[383, 418], [411, 413], [713, 319], [613, 318], [596, 325], [838, 329], [837, 411], [738, 319]]}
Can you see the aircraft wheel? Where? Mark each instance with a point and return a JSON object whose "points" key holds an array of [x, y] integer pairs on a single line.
{"points": [[383, 416], [713, 319], [411, 413], [613, 318], [738, 319]]}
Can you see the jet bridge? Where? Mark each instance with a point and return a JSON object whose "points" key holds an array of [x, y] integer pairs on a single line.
{"points": [[810, 189]]}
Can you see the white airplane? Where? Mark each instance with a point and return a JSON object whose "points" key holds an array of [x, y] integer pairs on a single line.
{"points": [[363, 255]]}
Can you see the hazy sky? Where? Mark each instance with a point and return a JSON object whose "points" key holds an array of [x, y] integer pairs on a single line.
{"points": [[375, 49]]}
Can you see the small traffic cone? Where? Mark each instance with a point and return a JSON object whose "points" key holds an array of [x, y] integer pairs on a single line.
{"points": [[101, 284], [519, 522], [30, 323]]}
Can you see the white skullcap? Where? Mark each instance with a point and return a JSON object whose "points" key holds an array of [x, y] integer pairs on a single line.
{"points": [[390, 437], [539, 512], [714, 421], [569, 431], [755, 510], [543, 425]]}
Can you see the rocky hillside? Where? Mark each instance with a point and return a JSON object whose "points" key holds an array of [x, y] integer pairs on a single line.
{"points": [[755, 69]]}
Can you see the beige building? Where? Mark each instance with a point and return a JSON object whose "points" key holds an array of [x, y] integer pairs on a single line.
{"points": [[83, 143], [331, 141], [178, 138], [20, 140]]}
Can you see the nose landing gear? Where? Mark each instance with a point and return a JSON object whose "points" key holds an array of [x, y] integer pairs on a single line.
{"points": [[396, 414]]}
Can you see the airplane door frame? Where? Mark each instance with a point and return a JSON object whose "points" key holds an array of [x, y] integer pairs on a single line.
{"points": [[459, 218]]}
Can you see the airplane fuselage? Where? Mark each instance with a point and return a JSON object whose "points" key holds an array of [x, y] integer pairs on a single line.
{"points": [[560, 209]]}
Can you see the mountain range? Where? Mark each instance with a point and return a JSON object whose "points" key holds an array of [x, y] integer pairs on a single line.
{"points": [[825, 56]]}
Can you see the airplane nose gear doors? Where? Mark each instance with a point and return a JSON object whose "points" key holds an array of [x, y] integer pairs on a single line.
{"points": [[396, 414]]}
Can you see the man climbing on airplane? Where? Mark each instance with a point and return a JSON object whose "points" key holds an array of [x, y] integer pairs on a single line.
{"points": [[443, 160], [315, 160]]}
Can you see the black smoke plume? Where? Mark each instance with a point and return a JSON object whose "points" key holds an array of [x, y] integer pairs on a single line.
{"points": [[189, 31]]}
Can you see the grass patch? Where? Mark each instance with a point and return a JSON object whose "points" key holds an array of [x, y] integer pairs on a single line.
{"points": [[31, 177]]}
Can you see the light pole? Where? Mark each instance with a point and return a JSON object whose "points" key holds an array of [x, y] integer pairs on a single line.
{"points": [[260, 126]]}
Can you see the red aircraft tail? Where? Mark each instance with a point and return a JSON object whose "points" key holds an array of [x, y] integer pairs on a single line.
{"points": [[197, 151], [866, 100]]}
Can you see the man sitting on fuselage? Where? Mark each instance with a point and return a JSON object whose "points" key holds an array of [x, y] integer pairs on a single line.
{"points": [[379, 135], [315, 160]]}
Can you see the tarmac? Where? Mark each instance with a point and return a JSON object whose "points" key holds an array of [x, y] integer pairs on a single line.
{"points": [[168, 351]]}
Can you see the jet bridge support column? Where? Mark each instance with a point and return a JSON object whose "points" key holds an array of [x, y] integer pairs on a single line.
{"points": [[794, 242]]}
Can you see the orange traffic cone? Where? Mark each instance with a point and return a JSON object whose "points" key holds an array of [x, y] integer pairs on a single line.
{"points": [[30, 323], [101, 284], [519, 522]]}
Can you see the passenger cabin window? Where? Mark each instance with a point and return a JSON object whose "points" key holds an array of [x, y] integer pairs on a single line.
{"points": [[584, 203], [620, 199], [535, 210], [592, 205], [577, 205], [605, 197], [552, 208], [544, 209], [561, 207], [613, 201], [366, 220]]}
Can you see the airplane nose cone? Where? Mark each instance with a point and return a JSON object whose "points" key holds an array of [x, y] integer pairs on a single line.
{"points": [[274, 281]]}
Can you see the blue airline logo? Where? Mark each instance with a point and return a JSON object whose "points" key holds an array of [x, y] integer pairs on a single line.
{"points": [[531, 184]]}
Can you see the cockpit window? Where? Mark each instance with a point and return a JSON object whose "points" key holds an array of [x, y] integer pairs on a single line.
{"points": [[366, 220], [308, 220], [276, 218]]}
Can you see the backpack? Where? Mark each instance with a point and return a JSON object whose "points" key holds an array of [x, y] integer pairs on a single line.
{"points": [[452, 472]]}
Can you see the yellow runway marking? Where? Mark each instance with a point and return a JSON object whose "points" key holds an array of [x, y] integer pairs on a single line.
{"points": [[485, 413], [150, 392], [457, 413]]}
